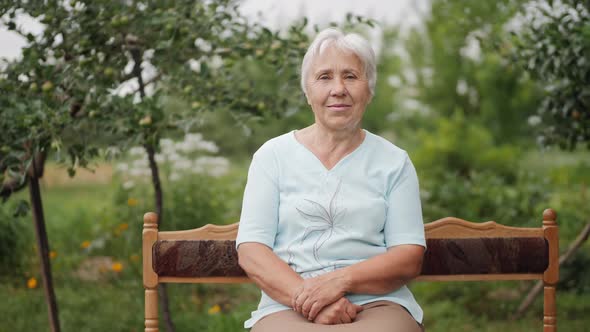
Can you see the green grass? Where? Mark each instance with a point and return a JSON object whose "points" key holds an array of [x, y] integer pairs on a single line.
{"points": [[117, 305]]}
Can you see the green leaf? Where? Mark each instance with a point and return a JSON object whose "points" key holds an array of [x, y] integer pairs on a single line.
{"points": [[21, 208]]}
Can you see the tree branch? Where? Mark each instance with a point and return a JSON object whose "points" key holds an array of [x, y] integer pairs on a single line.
{"points": [[10, 187]]}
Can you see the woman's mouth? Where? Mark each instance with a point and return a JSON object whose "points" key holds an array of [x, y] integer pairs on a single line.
{"points": [[339, 107]]}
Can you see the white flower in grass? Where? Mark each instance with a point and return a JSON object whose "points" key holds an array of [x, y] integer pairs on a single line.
{"points": [[97, 244], [136, 172], [217, 171], [136, 151], [197, 169], [182, 164], [140, 163], [122, 167], [394, 81], [128, 184], [174, 177], [174, 157], [208, 146], [215, 166], [193, 137], [534, 120], [185, 146], [166, 142], [160, 158]]}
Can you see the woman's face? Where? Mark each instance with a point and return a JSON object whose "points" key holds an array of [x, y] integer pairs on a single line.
{"points": [[337, 90]]}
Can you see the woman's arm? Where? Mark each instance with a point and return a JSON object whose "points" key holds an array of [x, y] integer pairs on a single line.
{"points": [[269, 272], [383, 273]]}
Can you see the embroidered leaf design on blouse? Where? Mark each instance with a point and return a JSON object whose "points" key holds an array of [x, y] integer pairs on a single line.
{"points": [[320, 217], [323, 221], [311, 229], [333, 202]]}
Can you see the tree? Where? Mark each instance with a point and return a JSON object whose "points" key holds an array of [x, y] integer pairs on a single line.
{"points": [[553, 45], [454, 64], [31, 120]]}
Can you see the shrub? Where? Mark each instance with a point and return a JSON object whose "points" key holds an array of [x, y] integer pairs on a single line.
{"points": [[16, 243]]}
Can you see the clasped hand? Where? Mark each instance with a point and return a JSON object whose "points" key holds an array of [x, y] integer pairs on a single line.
{"points": [[321, 300]]}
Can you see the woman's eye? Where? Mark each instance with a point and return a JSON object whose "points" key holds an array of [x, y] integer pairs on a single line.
{"points": [[324, 77], [350, 77]]}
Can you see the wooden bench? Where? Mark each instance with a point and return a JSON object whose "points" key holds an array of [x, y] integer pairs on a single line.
{"points": [[458, 250]]}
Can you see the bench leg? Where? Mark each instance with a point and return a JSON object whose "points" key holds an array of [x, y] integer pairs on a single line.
{"points": [[549, 309], [151, 310]]}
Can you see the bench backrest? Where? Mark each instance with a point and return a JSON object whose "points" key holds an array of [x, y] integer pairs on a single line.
{"points": [[458, 250]]}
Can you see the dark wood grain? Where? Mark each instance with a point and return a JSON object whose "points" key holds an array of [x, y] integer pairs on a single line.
{"points": [[213, 258]]}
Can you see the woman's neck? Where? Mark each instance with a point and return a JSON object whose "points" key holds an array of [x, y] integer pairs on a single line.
{"points": [[330, 146]]}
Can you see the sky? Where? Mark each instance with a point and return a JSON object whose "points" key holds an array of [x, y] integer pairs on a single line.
{"points": [[279, 14]]}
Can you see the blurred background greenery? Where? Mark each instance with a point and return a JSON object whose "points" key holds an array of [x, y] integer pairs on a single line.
{"points": [[490, 99]]}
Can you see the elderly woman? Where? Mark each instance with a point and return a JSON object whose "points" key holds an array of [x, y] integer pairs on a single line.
{"points": [[331, 227]]}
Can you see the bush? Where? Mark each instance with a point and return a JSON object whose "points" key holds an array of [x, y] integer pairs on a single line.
{"points": [[190, 202], [16, 242], [464, 173]]}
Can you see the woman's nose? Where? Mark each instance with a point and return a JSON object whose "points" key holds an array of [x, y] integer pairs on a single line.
{"points": [[338, 88]]}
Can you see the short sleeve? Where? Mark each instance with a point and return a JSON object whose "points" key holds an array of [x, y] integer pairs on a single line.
{"points": [[259, 216], [404, 223]]}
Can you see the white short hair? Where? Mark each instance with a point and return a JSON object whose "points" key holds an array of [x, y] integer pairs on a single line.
{"points": [[351, 42]]}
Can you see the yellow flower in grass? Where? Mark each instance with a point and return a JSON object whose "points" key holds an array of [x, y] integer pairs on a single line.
{"points": [[123, 227], [214, 309], [134, 258], [85, 244], [52, 254], [117, 267], [132, 202], [32, 283]]}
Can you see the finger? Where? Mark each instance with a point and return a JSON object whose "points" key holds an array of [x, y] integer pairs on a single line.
{"points": [[299, 302], [345, 318], [294, 298], [306, 307], [294, 302], [358, 308], [314, 311], [351, 311]]}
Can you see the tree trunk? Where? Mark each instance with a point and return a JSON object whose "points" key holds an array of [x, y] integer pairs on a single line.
{"points": [[158, 194], [136, 71], [43, 245]]}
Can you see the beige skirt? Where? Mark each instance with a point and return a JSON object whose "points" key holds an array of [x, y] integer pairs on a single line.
{"points": [[380, 316]]}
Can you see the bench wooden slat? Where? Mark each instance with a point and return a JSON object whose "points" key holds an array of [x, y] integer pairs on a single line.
{"points": [[506, 255], [444, 257]]}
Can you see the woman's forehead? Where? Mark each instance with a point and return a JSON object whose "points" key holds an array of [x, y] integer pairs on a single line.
{"points": [[332, 58]]}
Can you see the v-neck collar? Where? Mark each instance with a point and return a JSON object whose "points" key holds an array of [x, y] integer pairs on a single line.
{"points": [[341, 161]]}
